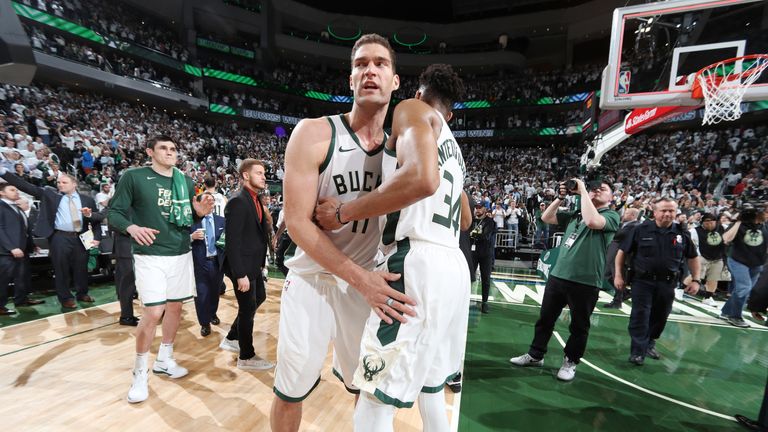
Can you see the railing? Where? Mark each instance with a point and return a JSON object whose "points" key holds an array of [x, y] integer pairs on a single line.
{"points": [[507, 238]]}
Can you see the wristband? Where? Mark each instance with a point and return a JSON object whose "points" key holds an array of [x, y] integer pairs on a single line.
{"points": [[338, 215], [697, 281]]}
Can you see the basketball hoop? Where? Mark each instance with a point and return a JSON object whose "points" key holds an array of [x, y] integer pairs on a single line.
{"points": [[722, 86]]}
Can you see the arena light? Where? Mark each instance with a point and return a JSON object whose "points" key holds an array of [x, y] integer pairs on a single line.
{"points": [[221, 109], [343, 38], [227, 76], [193, 70], [409, 45]]}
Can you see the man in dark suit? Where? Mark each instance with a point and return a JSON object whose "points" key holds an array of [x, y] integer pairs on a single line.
{"points": [[23, 282], [125, 279], [246, 249], [15, 242], [208, 261], [64, 216]]}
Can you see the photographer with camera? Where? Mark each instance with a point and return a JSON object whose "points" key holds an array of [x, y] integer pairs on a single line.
{"points": [[746, 256], [481, 238], [577, 274]]}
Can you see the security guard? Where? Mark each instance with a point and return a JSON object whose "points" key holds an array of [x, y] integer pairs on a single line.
{"points": [[481, 237], [659, 247]]}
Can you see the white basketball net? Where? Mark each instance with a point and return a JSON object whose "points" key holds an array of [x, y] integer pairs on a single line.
{"points": [[724, 85]]}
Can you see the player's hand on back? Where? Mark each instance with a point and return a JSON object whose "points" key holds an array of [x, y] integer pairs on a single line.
{"points": [[377, 292], [325, 214]]}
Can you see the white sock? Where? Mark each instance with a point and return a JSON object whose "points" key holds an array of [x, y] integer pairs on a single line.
{"points": [[141, 361], [165, 352], [432, 410], [372, 415]]}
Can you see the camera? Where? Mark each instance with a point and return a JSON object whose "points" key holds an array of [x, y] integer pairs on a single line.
{"points": [[592, 179], [748, 212]]}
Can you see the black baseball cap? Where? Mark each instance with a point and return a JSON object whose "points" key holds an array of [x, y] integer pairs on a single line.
{"points": [[708, 217]]}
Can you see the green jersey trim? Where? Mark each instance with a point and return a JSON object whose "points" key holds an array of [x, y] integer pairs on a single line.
{"points": [[357, 140], [329, 153], [155, 303], [337, 374], [298, 399], [436, 389], [387, 333], [389, 152], [380, 395]]}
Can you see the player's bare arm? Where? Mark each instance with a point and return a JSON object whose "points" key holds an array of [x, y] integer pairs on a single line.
{"points": [[466, 212], [415, 128], [304, 155]]}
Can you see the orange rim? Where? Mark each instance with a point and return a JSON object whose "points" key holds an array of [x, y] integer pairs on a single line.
{"points": [[698, 93]]}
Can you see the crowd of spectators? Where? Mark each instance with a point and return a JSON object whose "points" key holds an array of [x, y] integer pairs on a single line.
{"points": [[104, 59], [47, 130], [98, 137], [117, 20]]}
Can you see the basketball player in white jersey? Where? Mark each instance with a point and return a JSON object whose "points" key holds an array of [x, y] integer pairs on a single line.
{"points": [[421, 193], [331, 288], [219, 201]]}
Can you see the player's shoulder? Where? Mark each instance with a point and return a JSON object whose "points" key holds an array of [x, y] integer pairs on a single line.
{"points": [[414, 106], [135, 172], [318, 126]]}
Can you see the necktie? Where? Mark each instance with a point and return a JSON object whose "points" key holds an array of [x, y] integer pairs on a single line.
{"points": [[210, 236], [21, 214], [75, 214]]}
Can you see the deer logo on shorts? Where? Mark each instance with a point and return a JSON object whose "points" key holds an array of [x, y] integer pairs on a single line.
{"points": [[372, 364]]}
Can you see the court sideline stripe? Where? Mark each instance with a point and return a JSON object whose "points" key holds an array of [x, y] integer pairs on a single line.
{"points": [[56, 340], [645, 390]]}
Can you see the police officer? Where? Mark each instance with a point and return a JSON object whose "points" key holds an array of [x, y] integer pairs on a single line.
{"points": [[659, 247], [481, 237]]}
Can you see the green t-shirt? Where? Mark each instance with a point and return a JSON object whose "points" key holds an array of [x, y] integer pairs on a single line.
{"points": [[143, 197], [584, 260]]}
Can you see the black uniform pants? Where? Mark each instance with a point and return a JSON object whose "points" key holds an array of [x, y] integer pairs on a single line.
{"points": [[282, 245], [125, 284], [651, 305], [70, 262], [581, 300], [484, 259], [22, 285], [247, 303], [10, 269]]}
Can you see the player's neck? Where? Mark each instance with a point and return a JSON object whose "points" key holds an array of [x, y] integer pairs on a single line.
{"points": [[367, 125], [163, 170]]}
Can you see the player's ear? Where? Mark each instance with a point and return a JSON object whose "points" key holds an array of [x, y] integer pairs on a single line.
{"points": [[350, 83], [418, 94], [449, 116], [396, 82]]}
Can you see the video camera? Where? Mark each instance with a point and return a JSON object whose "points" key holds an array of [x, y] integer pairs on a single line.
{"points": [[592, 179], [748, 211]]}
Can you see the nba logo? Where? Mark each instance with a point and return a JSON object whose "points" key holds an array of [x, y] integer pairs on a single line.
{"points": [[624, 77]]}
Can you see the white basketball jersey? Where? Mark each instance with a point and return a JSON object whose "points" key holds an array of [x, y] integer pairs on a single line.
{"points": [[437, 218], [348, 172], [219, 202]]}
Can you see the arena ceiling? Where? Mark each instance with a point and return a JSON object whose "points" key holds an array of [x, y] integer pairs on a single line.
{"points": [[448, 12]]}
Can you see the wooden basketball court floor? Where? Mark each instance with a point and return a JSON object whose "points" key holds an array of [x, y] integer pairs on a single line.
{"points": [[70, 372]]}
